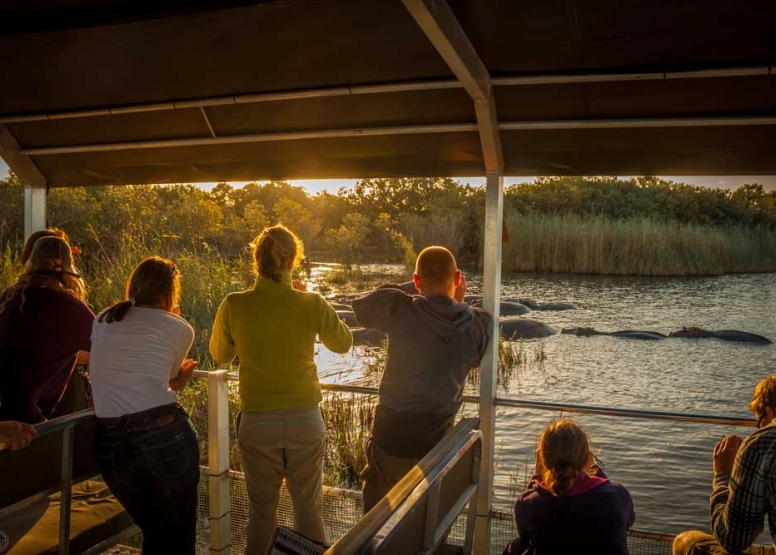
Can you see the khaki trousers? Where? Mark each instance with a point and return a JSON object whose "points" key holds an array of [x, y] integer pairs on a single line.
{"points": [[382, 472], [282, 444]]}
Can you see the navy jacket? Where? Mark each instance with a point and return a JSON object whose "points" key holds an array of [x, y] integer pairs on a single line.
{"points": [[594, 518]]}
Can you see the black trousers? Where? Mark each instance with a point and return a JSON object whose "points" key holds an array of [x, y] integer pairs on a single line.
{"points": [[150, 461]]}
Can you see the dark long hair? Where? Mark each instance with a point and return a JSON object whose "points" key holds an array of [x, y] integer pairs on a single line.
{"points": [[48, 232], [50, 265], [155, 282], [273, 249]]}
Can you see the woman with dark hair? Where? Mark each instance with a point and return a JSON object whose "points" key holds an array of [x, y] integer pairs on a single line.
{"points": [[45, 329], [146, 446], [48, 232], [570, 506], [272, 329]]}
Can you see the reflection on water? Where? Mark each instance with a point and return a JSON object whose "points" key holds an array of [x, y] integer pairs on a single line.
{"points": [[665, 465]]}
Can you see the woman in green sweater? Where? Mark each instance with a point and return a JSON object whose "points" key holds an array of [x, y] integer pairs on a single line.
{"points": [[272, 328]]}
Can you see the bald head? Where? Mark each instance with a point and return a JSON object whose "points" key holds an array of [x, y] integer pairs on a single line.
{"points": [[436, 272]]}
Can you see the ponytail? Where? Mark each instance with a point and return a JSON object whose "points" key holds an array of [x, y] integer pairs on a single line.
{"points": [[560, 480], [564, 451], [155, 282], [116, 312], [273, 250]]}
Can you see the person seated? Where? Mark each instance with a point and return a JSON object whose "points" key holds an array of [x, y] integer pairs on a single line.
{"points": [[45, 329], [434, 339], [30, 242], [744, 482], [570, 506], [16, 435]]}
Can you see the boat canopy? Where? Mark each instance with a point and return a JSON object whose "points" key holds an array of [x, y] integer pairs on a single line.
{"points": [[112, 92], [118, 92]]}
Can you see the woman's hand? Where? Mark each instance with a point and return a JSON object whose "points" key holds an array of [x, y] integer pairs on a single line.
{"points": [[184, 374], [299, 286], [82, 358], [539, 469], [16, 435]]}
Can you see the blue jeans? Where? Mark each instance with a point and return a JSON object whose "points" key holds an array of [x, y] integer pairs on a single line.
{"points": [[150, 461]]}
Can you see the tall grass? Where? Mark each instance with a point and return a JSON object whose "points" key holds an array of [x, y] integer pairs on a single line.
{"points": [[349, 419], [635, 246], [9, 266]]}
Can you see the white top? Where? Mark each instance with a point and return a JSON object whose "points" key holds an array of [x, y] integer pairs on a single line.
{"points": [[132, 361]]}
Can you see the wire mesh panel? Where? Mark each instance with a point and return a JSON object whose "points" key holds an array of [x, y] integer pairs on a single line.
{"points": [[135, 543], [502, 531], [342, 509]]}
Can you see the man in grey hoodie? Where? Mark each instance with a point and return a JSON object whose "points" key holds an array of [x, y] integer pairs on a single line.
{"points": [[434, 339]]}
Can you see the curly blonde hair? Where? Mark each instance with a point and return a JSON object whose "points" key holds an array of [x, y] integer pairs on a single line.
{"points": [[51, 266], [764, 396]]}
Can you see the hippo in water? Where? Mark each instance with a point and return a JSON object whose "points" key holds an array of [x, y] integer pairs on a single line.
{"points": [[506, 308], [534, 305], [725, 335], [368, 337], [631, 334], [523, 328], [348, 317]]}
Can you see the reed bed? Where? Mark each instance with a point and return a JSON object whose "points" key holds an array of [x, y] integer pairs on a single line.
{"points": [[636, 246]]}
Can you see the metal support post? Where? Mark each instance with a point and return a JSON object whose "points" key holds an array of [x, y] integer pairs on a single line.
{"points": [[218, 462], [67, 489], [35, 200], [491, 285]]}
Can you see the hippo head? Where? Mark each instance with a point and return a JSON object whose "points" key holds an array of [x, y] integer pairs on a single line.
{"points": [[692, 332]]}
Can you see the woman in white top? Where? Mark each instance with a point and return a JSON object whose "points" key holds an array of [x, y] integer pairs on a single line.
{"points": [[147, 449]]}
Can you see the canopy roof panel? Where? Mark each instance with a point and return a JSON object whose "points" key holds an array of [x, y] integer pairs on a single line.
{"points": [[123, 92]]}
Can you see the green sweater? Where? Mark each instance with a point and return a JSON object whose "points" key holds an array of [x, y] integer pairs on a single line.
{"points": [[272, 329]]}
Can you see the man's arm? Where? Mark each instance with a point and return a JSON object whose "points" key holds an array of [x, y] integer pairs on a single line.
{"points": [[374, 310], [738, 499]]}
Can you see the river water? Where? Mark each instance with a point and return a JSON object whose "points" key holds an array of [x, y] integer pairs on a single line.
{"points": [[665, 465]]}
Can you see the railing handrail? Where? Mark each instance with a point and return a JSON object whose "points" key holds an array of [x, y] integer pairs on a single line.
{"points": [[461, 438], [67, 421], [627, 413], [556, 407]]}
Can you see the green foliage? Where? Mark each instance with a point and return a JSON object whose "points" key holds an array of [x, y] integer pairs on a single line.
{"points": [[349, 239], [294, 215], [389, 220]]}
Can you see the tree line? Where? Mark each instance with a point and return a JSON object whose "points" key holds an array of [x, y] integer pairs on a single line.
{"points": [[383, 220]]}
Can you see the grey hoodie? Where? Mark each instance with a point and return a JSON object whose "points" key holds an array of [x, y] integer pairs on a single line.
{"points": [[433, 342]]}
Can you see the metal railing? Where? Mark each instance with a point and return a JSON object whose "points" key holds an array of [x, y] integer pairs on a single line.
{"points": [[66, 425], [422, 487], [555, 407], [219, 440]]}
